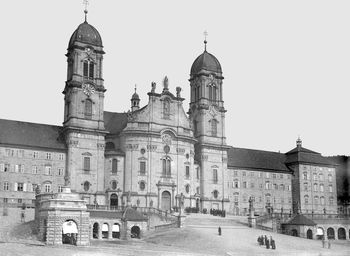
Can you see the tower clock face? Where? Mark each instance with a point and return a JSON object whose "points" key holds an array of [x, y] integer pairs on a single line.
{"points": [[88, 89]]}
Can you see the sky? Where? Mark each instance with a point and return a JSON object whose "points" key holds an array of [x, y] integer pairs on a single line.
{"points": [[286, 63]]}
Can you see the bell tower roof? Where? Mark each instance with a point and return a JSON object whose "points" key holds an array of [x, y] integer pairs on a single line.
{"points": [[85, 33]]}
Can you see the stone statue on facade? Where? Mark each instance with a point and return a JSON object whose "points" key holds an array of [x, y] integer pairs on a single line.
{"points": [[153, 87]]}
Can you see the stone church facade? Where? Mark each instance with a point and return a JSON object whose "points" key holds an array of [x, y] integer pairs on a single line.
{"points": [[157, 154]]}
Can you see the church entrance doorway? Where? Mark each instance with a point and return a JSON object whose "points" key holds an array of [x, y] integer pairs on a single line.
{"points": [[166, 201], [309, 234], [114, 201], [69, 232]]}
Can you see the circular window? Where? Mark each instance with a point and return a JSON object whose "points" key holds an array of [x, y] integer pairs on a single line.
{"points": [[86, 186], [114, 185], [215, 193], [166, 149], [143, 151], [187, 188], [142, 185]]}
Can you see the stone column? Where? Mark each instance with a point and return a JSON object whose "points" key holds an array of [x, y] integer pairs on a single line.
{"points": [[99, 232], [158, 198], [110, 231]]}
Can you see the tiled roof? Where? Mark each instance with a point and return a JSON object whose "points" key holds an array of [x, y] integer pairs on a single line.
{"points": [[256, 159], [26, 134], [115, 122], [300, 219], [303, 155], [106, 214]]}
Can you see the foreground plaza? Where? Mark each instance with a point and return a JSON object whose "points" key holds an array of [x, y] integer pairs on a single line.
{"points": [[198, 237]]}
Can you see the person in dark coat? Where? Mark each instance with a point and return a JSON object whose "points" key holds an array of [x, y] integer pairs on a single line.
{"points": [[273, 244], [262, 240], [267, 244], [219, 230]]}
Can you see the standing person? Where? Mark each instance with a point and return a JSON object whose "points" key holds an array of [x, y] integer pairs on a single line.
{"points": [[262, 240], [329, 244], [273, 244], [219, 230], [267, 244], [259, 240]]}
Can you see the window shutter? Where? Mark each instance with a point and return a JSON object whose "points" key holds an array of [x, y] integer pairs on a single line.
{"points": [[86, 68], [91, 70], [24, 187], [15, 186]]}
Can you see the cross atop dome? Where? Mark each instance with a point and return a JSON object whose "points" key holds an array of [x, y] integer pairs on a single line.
{"points": [[205, 33], [85, 3]]}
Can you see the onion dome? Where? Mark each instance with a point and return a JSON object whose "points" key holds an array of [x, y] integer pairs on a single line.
{"points": [[207, 62], [86, 33], [135, 96]]}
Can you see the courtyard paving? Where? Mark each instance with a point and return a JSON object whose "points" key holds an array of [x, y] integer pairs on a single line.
{"points": [[198, 237]]}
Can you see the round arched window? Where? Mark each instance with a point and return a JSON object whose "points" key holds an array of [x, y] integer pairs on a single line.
{"points": [[142, 185], [215, 193], [114, 185], [86, 186]]}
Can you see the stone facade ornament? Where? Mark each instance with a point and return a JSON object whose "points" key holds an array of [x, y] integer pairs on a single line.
{"points": [[166, 138]]}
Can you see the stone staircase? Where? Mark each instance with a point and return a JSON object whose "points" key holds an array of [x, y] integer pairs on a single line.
{"points": [[206, 220]]}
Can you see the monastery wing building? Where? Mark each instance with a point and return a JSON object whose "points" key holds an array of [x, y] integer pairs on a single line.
{"points": [[155, 155]]}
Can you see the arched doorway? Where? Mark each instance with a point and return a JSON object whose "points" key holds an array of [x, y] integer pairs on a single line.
{"points": [[116, 230], [95, 230], [135, 232], [319, 233], [69, 232], [341, 234], [309, 234], [166, 201], [330, 233], [105, 230], [294, 232], [114, 200]]}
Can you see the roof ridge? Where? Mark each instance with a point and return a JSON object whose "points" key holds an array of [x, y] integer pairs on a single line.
{"points": [[10, 120], [258, 150]]}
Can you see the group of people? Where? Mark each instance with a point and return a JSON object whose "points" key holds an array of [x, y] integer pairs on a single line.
{"points": [[268, 242], [217, 212]]}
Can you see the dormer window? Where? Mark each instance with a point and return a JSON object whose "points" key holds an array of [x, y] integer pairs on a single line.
{"points": [[88, 70]]}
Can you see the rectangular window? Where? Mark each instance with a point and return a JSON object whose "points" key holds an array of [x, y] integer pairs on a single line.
{"points": [[252, 185], [20, 186], [115, 166], [60, 171], [267, 175], [48, 156], [60, 189], [281, 176], [35, 154], [47, 188], [259, 174], [6, 186], [88, 109], [60, 157], [244, 174], [19, 200], [20, 153], [267, 185], [330, 188], [48, 170], [21, 168], [143, 168], [187, 172], [35, 169], [198, 173], [274, 176], [235, 173], [215, 175], [5, 200], [87, 163], [244, 184], [91, 70], [16, 168], [260, 185], [86, 68]]}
